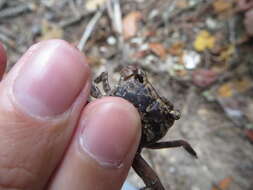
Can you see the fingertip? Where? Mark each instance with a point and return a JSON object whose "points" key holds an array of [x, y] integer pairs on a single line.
{"points": [[110, 128], [103, 148]]}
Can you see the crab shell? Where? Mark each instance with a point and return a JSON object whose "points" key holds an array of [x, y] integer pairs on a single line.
{"points": [[157, 114]]}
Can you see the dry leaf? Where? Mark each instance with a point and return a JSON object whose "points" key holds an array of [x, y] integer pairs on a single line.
{"points": [[243, 84], [204, 77], [92, 5], [223, 184], [204, 40], [50, 31], [226, 54], [182, 4], [226, 90], [158, 49], [236, 86], [222, 5], [177, 49], [140, 54], [130, 24]]}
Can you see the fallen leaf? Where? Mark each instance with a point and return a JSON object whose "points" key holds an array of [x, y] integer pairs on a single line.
{"points": [[204, 40], [222, 5], [93, 5], [227, 53], [226, 90], [140, 54], [176, 49], [158, 49], [223, 184], [130, 24], [242, 84], [50, 31], [149, 33], [181, 72], [235, 86], [182, 4], [204, 77]]}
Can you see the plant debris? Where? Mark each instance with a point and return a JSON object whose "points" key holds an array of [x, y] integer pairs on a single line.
{"points": [[198, 54]]}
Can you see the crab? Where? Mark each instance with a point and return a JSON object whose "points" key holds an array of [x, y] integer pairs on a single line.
{"points": [[156, 112]]}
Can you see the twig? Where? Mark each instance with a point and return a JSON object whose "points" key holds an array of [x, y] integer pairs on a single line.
{"points": [[68, 22], [89, 28], [115, 14], [14, 11]]}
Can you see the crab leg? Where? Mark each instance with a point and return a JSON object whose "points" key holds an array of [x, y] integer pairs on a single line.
{"points": [[171, 144], [95, 92], [103, 77], [147, 174]]}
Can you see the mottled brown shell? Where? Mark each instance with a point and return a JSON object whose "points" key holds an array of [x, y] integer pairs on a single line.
{"points": [[157, 113]]}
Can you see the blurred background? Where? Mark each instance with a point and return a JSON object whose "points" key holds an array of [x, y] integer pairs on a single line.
{"points": [[197, 53]]}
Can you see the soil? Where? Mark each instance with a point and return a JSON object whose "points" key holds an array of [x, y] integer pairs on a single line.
{"points": [[219, 137]]}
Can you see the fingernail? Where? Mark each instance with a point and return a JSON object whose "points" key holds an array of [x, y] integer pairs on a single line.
{"points": [[111, 127], [52, 75]]}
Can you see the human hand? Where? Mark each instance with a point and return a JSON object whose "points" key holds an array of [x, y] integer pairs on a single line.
{"points": [[49, 137]]}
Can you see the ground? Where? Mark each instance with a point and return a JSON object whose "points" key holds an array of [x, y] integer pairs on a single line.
{"points": [[197, 53]]}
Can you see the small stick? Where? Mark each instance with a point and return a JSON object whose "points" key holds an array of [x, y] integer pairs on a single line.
{"points": [[117, 17], [68, 22], [14, 11], [89, 28]]}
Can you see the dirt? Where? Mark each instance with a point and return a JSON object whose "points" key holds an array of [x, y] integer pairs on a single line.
{"points": [[219, 138], [222, 150]]}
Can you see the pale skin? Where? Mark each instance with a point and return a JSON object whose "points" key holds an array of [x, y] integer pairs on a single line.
{"points": [[50, 138]]}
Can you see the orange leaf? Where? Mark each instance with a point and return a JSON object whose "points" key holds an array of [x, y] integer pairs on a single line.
{"points": [[223, 184], [130, 24], [176, 49], [222, 5], [158, 49], [225, 90]]}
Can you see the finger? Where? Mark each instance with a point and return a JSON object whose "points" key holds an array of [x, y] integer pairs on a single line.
{"points": [[2, 61], [103, 148], [41, 100]]}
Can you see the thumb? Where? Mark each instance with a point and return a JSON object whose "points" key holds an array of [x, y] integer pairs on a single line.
{"points": [[103, 148]]}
